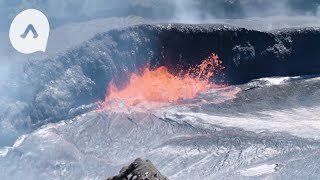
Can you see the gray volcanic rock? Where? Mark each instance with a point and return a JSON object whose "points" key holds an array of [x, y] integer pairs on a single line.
{"points": [[139, 170], [183, 142], [53, 89]]}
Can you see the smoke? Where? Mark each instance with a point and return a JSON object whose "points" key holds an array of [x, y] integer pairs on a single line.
{"points": [[187, 11], [200, 11], [184, 11]]}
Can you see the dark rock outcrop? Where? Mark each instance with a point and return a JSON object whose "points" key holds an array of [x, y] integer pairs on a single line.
{"points": [[139, 170]]}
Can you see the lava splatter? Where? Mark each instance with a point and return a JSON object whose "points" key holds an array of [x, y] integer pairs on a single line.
{"points": [[161, 86]]}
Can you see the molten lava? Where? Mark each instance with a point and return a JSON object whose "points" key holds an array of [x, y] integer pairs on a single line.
{"points": [[161, 86]]}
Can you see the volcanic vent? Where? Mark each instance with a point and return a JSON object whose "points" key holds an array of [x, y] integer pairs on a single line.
{"points": [[83, 74]]}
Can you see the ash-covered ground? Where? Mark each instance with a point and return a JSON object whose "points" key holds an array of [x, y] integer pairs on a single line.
{"points": [[264, 124]]}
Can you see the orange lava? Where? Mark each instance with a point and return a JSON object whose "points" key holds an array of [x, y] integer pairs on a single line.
{"points": [[161, 86]]}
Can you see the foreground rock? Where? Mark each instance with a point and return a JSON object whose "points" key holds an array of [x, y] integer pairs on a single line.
{"points": [[139, 170]]}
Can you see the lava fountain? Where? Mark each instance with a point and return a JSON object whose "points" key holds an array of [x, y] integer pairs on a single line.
{"points": [[161, 86]]}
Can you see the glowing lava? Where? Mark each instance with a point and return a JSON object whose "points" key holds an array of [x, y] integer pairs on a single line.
{"points": [[161, 86]]}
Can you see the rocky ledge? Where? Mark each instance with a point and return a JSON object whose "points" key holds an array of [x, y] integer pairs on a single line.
{"points": [[139, 170]]}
